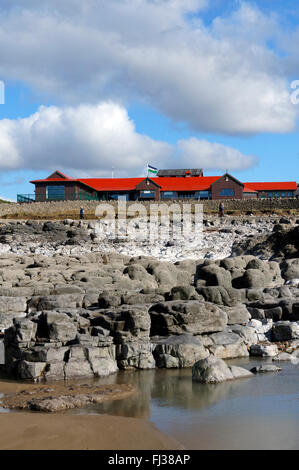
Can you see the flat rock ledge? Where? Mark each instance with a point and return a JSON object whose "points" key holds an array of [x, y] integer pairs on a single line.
{"points": [[213, 370], [63, 397], [265, 368]]}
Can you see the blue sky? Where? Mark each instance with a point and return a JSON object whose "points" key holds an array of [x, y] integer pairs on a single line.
{"points": [[121, 83]]}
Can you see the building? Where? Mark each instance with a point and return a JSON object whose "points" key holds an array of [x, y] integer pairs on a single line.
{"points": [[177, 173], [181, 184]]}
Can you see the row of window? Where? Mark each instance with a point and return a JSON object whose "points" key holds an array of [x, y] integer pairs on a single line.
{"points": [[271, 194], [228, 192], [58, 193]]}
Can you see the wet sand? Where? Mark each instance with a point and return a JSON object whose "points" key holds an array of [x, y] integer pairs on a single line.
{"points": [[61, 431], [39, 431]]}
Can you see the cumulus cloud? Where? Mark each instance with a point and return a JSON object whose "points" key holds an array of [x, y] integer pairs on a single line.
{"points": [[89, 140], [223, 78], [213, 156]]}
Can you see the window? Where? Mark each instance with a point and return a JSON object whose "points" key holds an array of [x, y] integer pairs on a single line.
{"points": [[169, 195], [277, 194], [118, 196], [283, 194], [204, 194], [290, 194], [147, 194], [270, 194], [56, 192], [227, 192], [188, 195]]}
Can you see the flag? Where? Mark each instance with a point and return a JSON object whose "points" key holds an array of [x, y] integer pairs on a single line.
{"points": [[151, 170]]}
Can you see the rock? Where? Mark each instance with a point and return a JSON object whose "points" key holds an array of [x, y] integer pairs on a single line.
{"points": [[12, 304], [178, 317], [214, 276], [179, 351], [125, 323], [240, 372], [183, 293], [283, 356], [273, 313], [285, 330], [263, 350], [137, 355], [71, 396], [22, 332], [77, 367], [256, 313], [246, 333], [109, 299], [290, 269], [261, 326], [214, 370], [31, 370], [251, 278], [228, 345], [102, 360], [56, 327], [265, 368], [221, 296], [237, 314]]}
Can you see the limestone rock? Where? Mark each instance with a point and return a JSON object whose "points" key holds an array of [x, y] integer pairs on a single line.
{"points": [[179, 351], [263, 350], [213, 370]]}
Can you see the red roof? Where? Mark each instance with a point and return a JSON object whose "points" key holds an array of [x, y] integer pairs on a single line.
{"points": [[276, 186], [112, 184], [247, 190], [190, 183], [170, 183]]}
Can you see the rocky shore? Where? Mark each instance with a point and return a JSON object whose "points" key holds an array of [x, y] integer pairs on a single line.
{"points": [[71, 307]]}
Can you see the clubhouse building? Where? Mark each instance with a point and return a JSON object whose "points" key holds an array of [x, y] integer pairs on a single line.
{"points": [[166, 185]]}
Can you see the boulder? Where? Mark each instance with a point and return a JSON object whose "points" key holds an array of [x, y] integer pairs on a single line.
{"points": [[77, 367], [213, 370], [178, 317], [214, 276], [237, 314], [285, 330], [56, 326], [221, 296], [263, 350], [290, 269], [179, 351], [246, 333], [125, 323], [265, 368], [228, 345], [31, 370], [22, 332], [137, 355], [183, 293], [12, 304]]}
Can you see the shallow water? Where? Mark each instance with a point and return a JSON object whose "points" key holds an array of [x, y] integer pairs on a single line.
{"points": [[261, 412]]}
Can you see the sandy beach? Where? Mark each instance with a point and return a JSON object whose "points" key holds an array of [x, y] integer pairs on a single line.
{"points": [[61, 431], [38, 431]]}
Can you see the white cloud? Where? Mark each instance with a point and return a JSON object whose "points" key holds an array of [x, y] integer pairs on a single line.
{"points": [[223, 78], [88, 140], [213, 156]]}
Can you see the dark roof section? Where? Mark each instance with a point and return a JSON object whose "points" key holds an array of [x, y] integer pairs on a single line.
{"points": [[58, 174], [181, 172], [227, 175]]}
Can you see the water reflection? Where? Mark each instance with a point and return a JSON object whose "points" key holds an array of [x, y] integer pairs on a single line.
{"points": [[167, 388]]}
